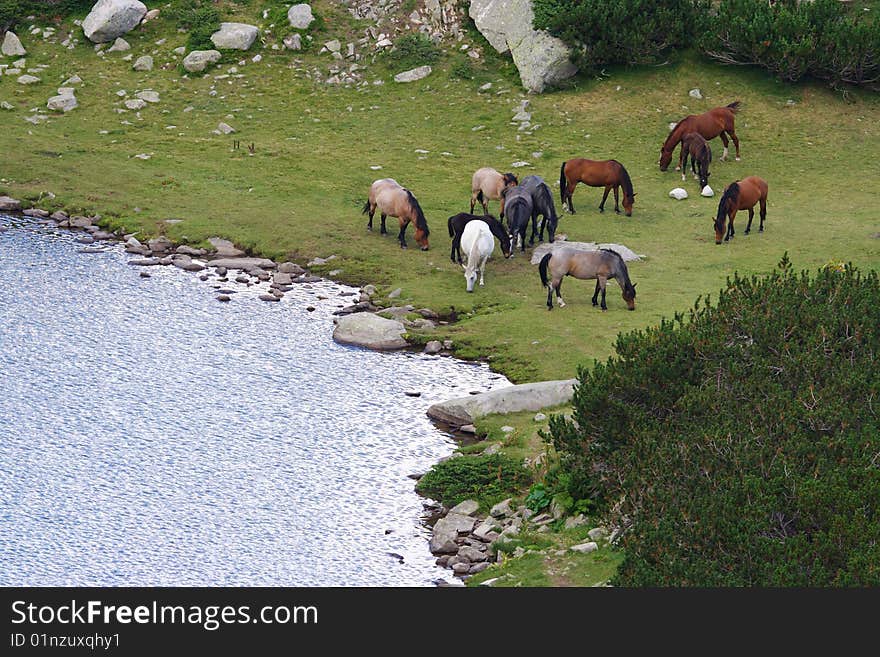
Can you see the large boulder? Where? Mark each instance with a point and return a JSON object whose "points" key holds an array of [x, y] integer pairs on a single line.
{"points": [[370, 331], [9, 203], [110, 19], [300, 16], [413, 74], [542, 60], [63, 102], [198, 60], [524, 397], [12, 46], [235, 36], [625, 252]]}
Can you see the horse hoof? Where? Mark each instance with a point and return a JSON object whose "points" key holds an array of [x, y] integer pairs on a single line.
{"points": [[737, 159], [616, 211]]}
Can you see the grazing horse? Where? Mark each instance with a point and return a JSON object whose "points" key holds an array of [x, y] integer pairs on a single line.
{"points": [[601, 265], [397, 201], [542, 204], [478, 242], [609, 174], [487, 185], [518, 202], [716, 122], [740, 195], [694, 145], [456, 226]]}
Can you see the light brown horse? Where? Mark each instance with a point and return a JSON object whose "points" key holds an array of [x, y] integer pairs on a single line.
{"points": [[601, 265], [740, 195], [487, 185], [392, 199], [716, 122], [609, 174]]}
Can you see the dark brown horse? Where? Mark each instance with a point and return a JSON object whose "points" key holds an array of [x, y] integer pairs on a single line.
{"points": [[392, 199], [716, 122], [740, 195], [601, 265], [609, 174], [693, 145]]}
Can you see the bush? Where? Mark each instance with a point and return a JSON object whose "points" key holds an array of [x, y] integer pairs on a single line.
{"points": [[623, 32], [487, 479], [200, 18], [795, 39], [412, 50], [13, 11], [741, 445]]}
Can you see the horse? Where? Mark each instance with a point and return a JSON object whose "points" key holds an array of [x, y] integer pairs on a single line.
{"points": [[694, 145], [518, 202], [456, 224], [397, 201], [601, 265], [717, 122], [740, 195], [478, 242], [542, 204], [487, 185], [610, 174]]}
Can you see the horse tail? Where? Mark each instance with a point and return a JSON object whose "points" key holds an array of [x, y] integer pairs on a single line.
{"points": [[449, 225], [542, 269], [563, 183], [734, 106], [366, 208], [421, 222], [480, 196]]}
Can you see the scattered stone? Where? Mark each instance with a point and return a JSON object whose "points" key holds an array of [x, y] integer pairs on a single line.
{"points": [[433, 347], [120, 45], [226, 249], [369, 290], [480, 567], [679, 193], [585, 548], [144, 262], [225, 128], [224, 297], [135, 104], [412, 393], [28, 79], [269, 297], [575, 521], [695, 93], [333, 46], [447, 529], [144, 63], [468, 428], [707, 191], [461, 568], [9, 203], [160, 244], [150, 15], [187, 264], [507, 429], [300, 16], [198, 60], [502, 509], [235, 36], [371, 331], [413, 74], [110, 19], [395, 293], [148, 95], [540, 417], [190, 251], [281, 278], [12, 45], [5, 105], [466, 508], [143, 156], [598, 533], [290, 268], [62, 103], [31, 212], [293, 42]]}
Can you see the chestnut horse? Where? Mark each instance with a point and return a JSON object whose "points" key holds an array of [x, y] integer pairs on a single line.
{"points": [[740, 195], [487, 185], [694, 145], [601, 265], [392, 199], [609, 174], [716, 122]]}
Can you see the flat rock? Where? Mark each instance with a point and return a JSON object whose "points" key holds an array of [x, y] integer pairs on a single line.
{"points": [[62, 103], [135, 104], [465, 508], [510, 399], [434, 347], [245, 264], [370, 331], [413, 74], [31, 212], [144, 63], [28, 79], [225, 128], [585, 548], [225, 248], [502, 510], [110, 19], [9, 203], [447, 529], [148, 95], [198, 60], [235, 36], [541, 250]]}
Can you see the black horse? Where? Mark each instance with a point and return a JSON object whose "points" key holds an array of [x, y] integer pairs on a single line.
{"points": [[542, 204], [518, 209], [456, 224]]}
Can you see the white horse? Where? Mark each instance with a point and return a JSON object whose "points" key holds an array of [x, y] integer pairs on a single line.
{"points": [[478, 243]]}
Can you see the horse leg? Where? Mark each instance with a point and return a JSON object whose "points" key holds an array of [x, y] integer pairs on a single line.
{"points": [[616, 206], [735, 142], [604, 196], [550, 296], [370, 222], [483, 269], [763, 214], [751, 216], [383, 231], [601, 281], [401, 236], [559, 293], [725, 142], [473, 202], [534, 228], [730, 232], [683, 162], [522, 237], [569, 189], [596, 294]]}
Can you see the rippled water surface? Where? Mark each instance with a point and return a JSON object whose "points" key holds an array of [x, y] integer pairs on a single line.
{"points": [[151, 435]]}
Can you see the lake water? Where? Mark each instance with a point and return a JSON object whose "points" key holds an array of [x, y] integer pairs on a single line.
{"points": [[151, 435]]}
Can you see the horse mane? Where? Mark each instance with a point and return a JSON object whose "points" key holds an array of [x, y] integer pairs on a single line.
{"points": [[672, 132], [510, 178], [627, 284], [705, 151], [730, 194], [627, 183], [496, 228], [734, 106], [421, 222]]}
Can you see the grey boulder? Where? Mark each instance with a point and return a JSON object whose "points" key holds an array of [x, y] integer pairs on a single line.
{"points": [[300, 16], [235, 36], [12, 46], [511, 399], [198, 60], [370, 331], [110, 19]]}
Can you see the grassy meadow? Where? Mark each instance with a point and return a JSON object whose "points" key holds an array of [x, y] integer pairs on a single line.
{"points": [[315, 145]]}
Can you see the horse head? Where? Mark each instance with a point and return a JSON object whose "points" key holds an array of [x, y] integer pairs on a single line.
{"points": [[470, 277], [704, 179], [629, 295], [510, 180], [665, 159], [628, 201], [421, 237]]}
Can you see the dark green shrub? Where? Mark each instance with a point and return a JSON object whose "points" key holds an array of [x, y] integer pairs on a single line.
{"points": [[412, 50], [795, 39], [487, 479], [741, 442], [622, 32], [13, 11], [198, 17]]}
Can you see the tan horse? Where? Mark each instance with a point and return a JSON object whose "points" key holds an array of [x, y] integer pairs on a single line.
{"points": [[601, 265], [396, 201], [487, 185], [718, 122], [740, 195]]}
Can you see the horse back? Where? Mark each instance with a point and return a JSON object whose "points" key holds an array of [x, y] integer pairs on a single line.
{"points": [[594, 173], [751, 190]]}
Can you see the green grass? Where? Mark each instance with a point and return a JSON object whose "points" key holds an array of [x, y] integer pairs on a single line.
{"points": [[301, 193]]}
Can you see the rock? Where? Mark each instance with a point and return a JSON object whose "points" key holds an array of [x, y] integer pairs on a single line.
{"points": [[447, 529], [28, 79], [480, 567], [556, 510], [679, 193], [293, 42], [160, 245], [540, 417], [135, 104], [486, 527], [269, 297], [707, 191], [461, 568], [371, 331], [472, 554], [281, 278], [226, 249], [225, 128], [9, 203], [235, 36], [198, 60], [79, 222], [466, 508], [541, 250], [30, 212], [468, 428], [598, 533], [576, 521], [290, 268], [433, 347], [110, 19], [542, 59], [6, 105], [695, 93], [224, 297], [144, 262], [502, 509], [300, 16], [150, 15], [62, 103], [395, 293], [585, 548], [524, 397], [186, 263], [507, 429], [61, 215], [413, 74], [148, 95], [12, 46], [333, 46], [120, 45], [190, 251], [144, 63]]}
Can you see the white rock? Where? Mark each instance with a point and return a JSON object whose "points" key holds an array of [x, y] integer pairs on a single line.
{"points": [[509, 399], [148, 95], [73, 79], [181, 50], [235, 36], [150, 15], [110, 19], [585, 548], [293, 42], [540, 417], [413, 74], [333, 46], [371, 331], [12, 46], [678, 193], [62, 103], [695, 93], [5, 105], [28, 79], [120, 45], [225, 128], [135, 104], [300, 16], [144, 63], [198, 60], [707, 191]]}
